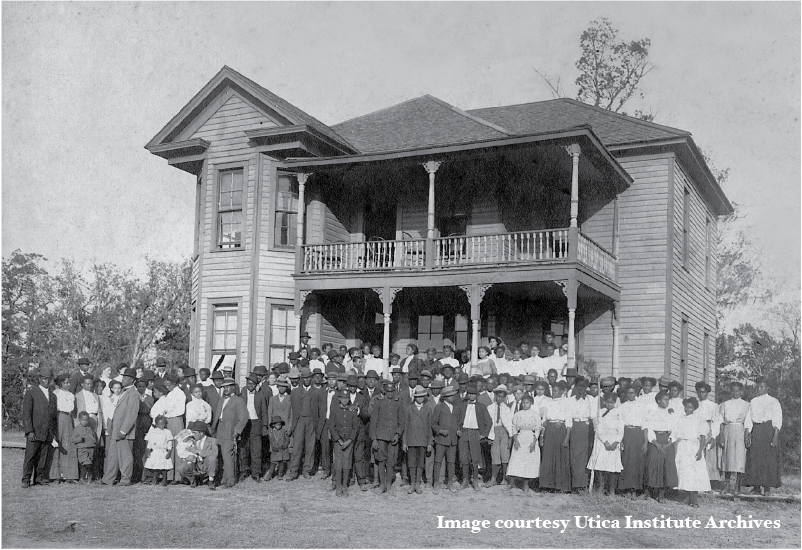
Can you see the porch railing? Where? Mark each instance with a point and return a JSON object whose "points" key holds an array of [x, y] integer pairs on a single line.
{"points": [[521, 246], [365, 256], [595, 257]]}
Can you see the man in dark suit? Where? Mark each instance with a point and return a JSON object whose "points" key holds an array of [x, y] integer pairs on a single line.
{"points": [[39, 417], [214, 393], [386, 429], [161, 368], [78, 375], [304, 414], [445, 425], [228, 421], [250, 451], [363, 411], [120, 450]]}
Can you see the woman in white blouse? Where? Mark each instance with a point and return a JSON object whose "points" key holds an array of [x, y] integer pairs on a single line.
{"points": [[634, 444], [763, 423], [731, 444], [64, 466], [555, 469], [109, 402], [661, 466], [690, 434]]}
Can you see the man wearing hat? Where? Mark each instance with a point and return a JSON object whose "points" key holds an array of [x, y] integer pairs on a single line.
{"points": [[417, 438], [214, 393], [448, 376], [304, 407], [40, 419], [188, 379], [228, 421], [335, 363], [663, 382], [78, 375], [462, 382], [279, 405], [304, 341], [475, 424], [499, 435], [250, 449], [294, 377], [120, 441], [386, 428], [161, 368], [431, 363], [445, 426], [363, 412], [199, 459], [328, 400], [344, 426]]}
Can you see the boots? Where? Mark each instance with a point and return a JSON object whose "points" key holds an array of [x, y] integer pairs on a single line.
{"points": [[496, 468], [436, 477], [375, 475], [164, 480], [418, 476], [475, 479], [382, 466], [344, 484], [466, 476]]}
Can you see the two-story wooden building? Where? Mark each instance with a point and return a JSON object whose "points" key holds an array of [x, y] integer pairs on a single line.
{"points": [[425, 223]]}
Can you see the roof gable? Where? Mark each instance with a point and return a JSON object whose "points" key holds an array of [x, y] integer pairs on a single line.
{"points": [[262, 99], [421, 122], [544, 116]]}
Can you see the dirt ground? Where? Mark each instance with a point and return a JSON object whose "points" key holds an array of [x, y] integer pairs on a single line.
{"points": [[303, 514]]}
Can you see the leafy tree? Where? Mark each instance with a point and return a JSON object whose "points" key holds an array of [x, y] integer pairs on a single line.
{"points": [[610, 69]]}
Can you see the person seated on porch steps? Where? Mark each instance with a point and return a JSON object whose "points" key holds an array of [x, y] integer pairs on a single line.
{"points": [[411, 363], [448, 359], [336, 363], [375, 362], [499, 359], [431, 363], [516, 366], [485, 366], [315, 361], [326, 350], [536, 365]]}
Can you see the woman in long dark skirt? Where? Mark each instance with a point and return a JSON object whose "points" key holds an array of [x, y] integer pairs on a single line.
{"points": [[555, 467], [661, 466], [634, 444], [763, 423]]}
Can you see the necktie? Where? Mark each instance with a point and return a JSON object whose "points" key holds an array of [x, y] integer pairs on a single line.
{"points": [[516, 406], [605, 412], [498, 413]]}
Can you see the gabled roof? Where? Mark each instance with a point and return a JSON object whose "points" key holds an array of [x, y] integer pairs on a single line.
{"points": [[421, 122], [277, 108], [545, 116]]}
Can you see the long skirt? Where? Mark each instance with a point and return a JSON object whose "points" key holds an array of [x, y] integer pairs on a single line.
{"points": [[661, 468], [555, 468], [632, 459], [522, 462], [579, 451], [732, 457], [691, 473], [763, 460], [603, 460], [65, 458]]}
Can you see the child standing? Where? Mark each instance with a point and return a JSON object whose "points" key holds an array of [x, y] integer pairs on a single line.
{"points": [[198, 408], [160, 447], [280, 444], [84, 438], [606, 457]]}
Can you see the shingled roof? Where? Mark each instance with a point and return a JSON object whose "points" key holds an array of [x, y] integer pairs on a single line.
{"points": [[544, 116], [421, 122]]}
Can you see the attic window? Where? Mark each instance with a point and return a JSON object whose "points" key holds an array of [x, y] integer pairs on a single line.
{"points": [[229, 209]]}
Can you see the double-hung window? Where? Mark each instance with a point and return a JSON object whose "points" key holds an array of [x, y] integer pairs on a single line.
{"points": [[286, 226], [229, 209]]}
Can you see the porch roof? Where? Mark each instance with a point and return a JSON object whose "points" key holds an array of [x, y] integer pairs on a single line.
{"points": [[591, 145]]}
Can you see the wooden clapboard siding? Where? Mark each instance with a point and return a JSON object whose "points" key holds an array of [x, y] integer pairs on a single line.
{"points": [[485, 216], [690, 297], [643, 222], [412, 218], [226, 275], [595, 339], [599, 224]]}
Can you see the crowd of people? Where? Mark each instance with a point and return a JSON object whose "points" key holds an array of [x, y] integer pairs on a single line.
{"points": [[518, 417]]}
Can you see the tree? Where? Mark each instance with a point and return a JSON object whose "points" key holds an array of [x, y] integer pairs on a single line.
{"points": [[610, 69]]}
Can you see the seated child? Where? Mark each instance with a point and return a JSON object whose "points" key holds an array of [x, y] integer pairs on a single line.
{"points": [[160, 450], [85, 440]]}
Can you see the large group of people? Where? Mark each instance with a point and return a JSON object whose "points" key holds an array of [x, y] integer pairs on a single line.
{"points": [[516, 418]]}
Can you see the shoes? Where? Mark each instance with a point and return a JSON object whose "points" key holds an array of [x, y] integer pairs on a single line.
{"points": [[326, 475], [307, 475], [26, 484], [292, 478], [193, 483], [72, 481], [411, 489], [491, 483], [418, 489], [333, 487], [452, 488], [464, 485], [379, 490], [436, 489], [257, 479], [363, 487], [228, 485], [124, 484]]}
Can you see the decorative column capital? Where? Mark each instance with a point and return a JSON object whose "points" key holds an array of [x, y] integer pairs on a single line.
{"points": [[302, 177], [431, 166], [304, 294], [563, 286], [482, 288], [573, 150], [380, 291]]}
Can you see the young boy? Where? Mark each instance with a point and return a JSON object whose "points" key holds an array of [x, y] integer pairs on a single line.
{"points": [[344, 427], [280, 448], [198, 409], [445, 427], [475, 424], [499, 435], [85, 440]]}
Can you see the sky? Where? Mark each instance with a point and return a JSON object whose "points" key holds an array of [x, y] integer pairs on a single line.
{"points": [[86, 85]]}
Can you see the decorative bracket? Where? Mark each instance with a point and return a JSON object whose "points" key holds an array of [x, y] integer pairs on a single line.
{"points": [[483, 288], [431, 166], [572, 150], [563, 286], [380, 292], [304, 294]]}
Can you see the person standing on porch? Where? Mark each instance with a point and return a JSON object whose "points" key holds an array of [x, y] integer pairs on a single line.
{"points": [[448, 359], [763, 423], [376, 363], [411, 363], [732, 439]]}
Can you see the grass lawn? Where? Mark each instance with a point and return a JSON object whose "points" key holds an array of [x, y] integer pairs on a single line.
{"points": [[304, 514]]}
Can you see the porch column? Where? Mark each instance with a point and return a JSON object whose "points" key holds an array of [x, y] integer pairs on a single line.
{"points": [[299, 251], [431, 168], [570, 294], [573, 229], [475, 293], [387, 296], [614, 312]]}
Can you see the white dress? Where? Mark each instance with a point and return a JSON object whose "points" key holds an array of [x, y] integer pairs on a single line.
{"points": [[609, 429], [160, 440], [524, 463], [691, 473]]}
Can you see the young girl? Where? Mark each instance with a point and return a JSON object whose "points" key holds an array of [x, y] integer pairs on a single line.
{"points": [[690, 435], [485, 366], [732, 450], [160, 447], [606, 458], [525, 455], [64, 466], [661, 466]]}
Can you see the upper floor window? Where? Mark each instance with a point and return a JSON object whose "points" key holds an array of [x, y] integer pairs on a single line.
{"points": [[686, 219], [285, 231], [229, 209]]}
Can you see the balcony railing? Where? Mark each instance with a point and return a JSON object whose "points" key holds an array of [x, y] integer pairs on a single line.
{"points": [[595, 257], [523, 247]]}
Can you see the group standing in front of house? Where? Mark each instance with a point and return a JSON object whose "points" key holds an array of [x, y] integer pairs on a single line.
{"points": [[518, 418]]}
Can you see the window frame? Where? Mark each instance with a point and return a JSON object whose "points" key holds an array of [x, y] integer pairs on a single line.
{"points": [[270, 304], [218, 171], [275, 211], [213, 304]]}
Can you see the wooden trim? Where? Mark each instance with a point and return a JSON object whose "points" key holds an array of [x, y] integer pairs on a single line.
{"points": [[170, 150], [211, 303], [274, 194], [669, 266], [254, 297], [199, 300], [269, 303], [186, 159], [217, 168]]}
